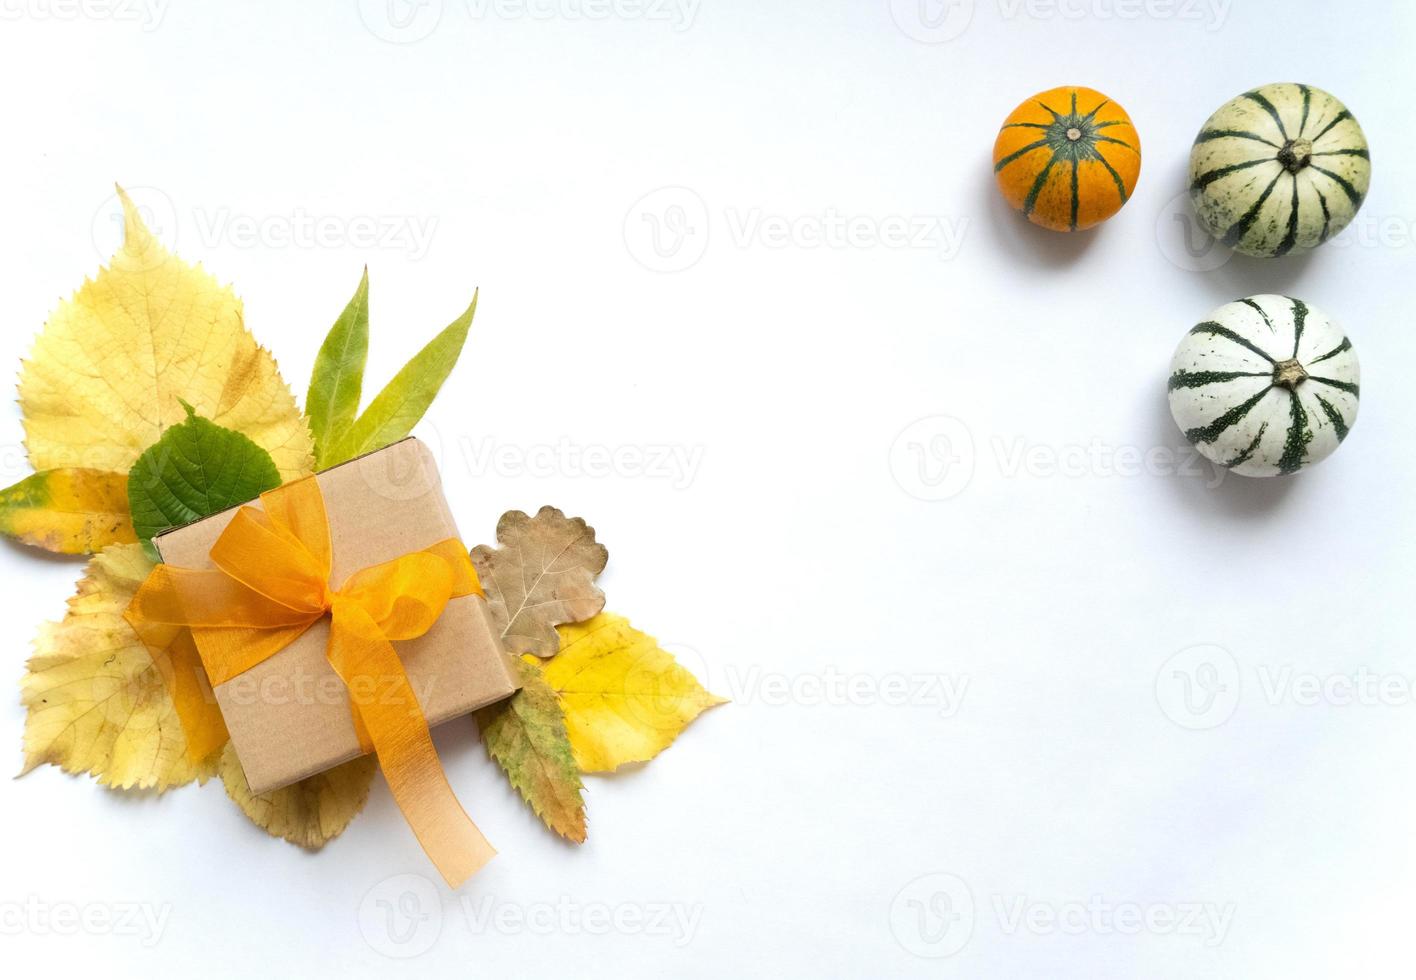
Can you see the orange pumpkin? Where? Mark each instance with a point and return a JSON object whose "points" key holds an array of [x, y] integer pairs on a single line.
{"points": [[1068, 158]]}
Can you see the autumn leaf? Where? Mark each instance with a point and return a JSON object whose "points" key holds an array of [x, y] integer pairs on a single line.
{"points": [[70, 511], [395, 410], [96, 701], [338, 378], [625, 699], [542, 575], [310, 813], [195, 470], [103, 380], [526, 735]]}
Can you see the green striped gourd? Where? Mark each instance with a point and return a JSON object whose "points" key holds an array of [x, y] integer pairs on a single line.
{"points": [[1265, 385], [1282, 168]]}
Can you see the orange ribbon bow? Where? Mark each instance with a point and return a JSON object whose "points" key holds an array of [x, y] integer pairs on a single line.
{"points": [[270, 584]]}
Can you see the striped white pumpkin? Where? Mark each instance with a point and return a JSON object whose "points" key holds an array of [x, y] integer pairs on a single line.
{"points": [[1282, 168], [1265, 385]]}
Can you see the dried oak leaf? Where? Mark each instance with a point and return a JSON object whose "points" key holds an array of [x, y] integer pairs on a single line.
{"points": [[96, 701], [542, 575], [526, 735], [310, 813]]}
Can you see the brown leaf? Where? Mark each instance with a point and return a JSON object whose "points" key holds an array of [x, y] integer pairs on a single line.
{"points": [[542, 575], [310, 813], [526, 735]]}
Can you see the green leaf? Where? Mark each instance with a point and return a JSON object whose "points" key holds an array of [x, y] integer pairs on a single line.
{"points": [[333, 399], [526, 735], [195, 470], [395, 411]]}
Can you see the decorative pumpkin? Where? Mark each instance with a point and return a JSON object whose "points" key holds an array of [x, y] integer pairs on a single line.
{"points": [[1280, 168], [1265, 385], [1068, 158]]}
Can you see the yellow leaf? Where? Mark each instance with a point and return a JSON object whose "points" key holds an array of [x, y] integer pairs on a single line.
{"points": [[310, 813], [105, 375], [96, 701], [73, 511], [625, 699]]}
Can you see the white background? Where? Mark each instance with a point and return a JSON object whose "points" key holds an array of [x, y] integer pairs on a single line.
{"points": [[817, 825]]}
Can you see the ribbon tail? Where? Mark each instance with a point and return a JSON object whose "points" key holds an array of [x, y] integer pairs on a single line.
{"points": [[193, 698], [384, 701], [174, 654]]}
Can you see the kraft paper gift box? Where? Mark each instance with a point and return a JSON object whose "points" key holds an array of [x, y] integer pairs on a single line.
{"points": [[289, 717]]}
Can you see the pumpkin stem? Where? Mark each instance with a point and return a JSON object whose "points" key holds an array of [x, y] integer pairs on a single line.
{"points": [[1295, 155], [1289, 373]]}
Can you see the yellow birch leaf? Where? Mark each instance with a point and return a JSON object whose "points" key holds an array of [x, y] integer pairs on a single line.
{"points": [[96, 701], [73, 511], [310, 813], [625, 699], [106, 374]]}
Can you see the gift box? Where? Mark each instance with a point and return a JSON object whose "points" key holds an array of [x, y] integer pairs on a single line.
{"points": [[289, 716]]}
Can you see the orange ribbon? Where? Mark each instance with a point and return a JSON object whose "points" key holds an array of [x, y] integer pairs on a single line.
{"points": [[271, 584]]}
